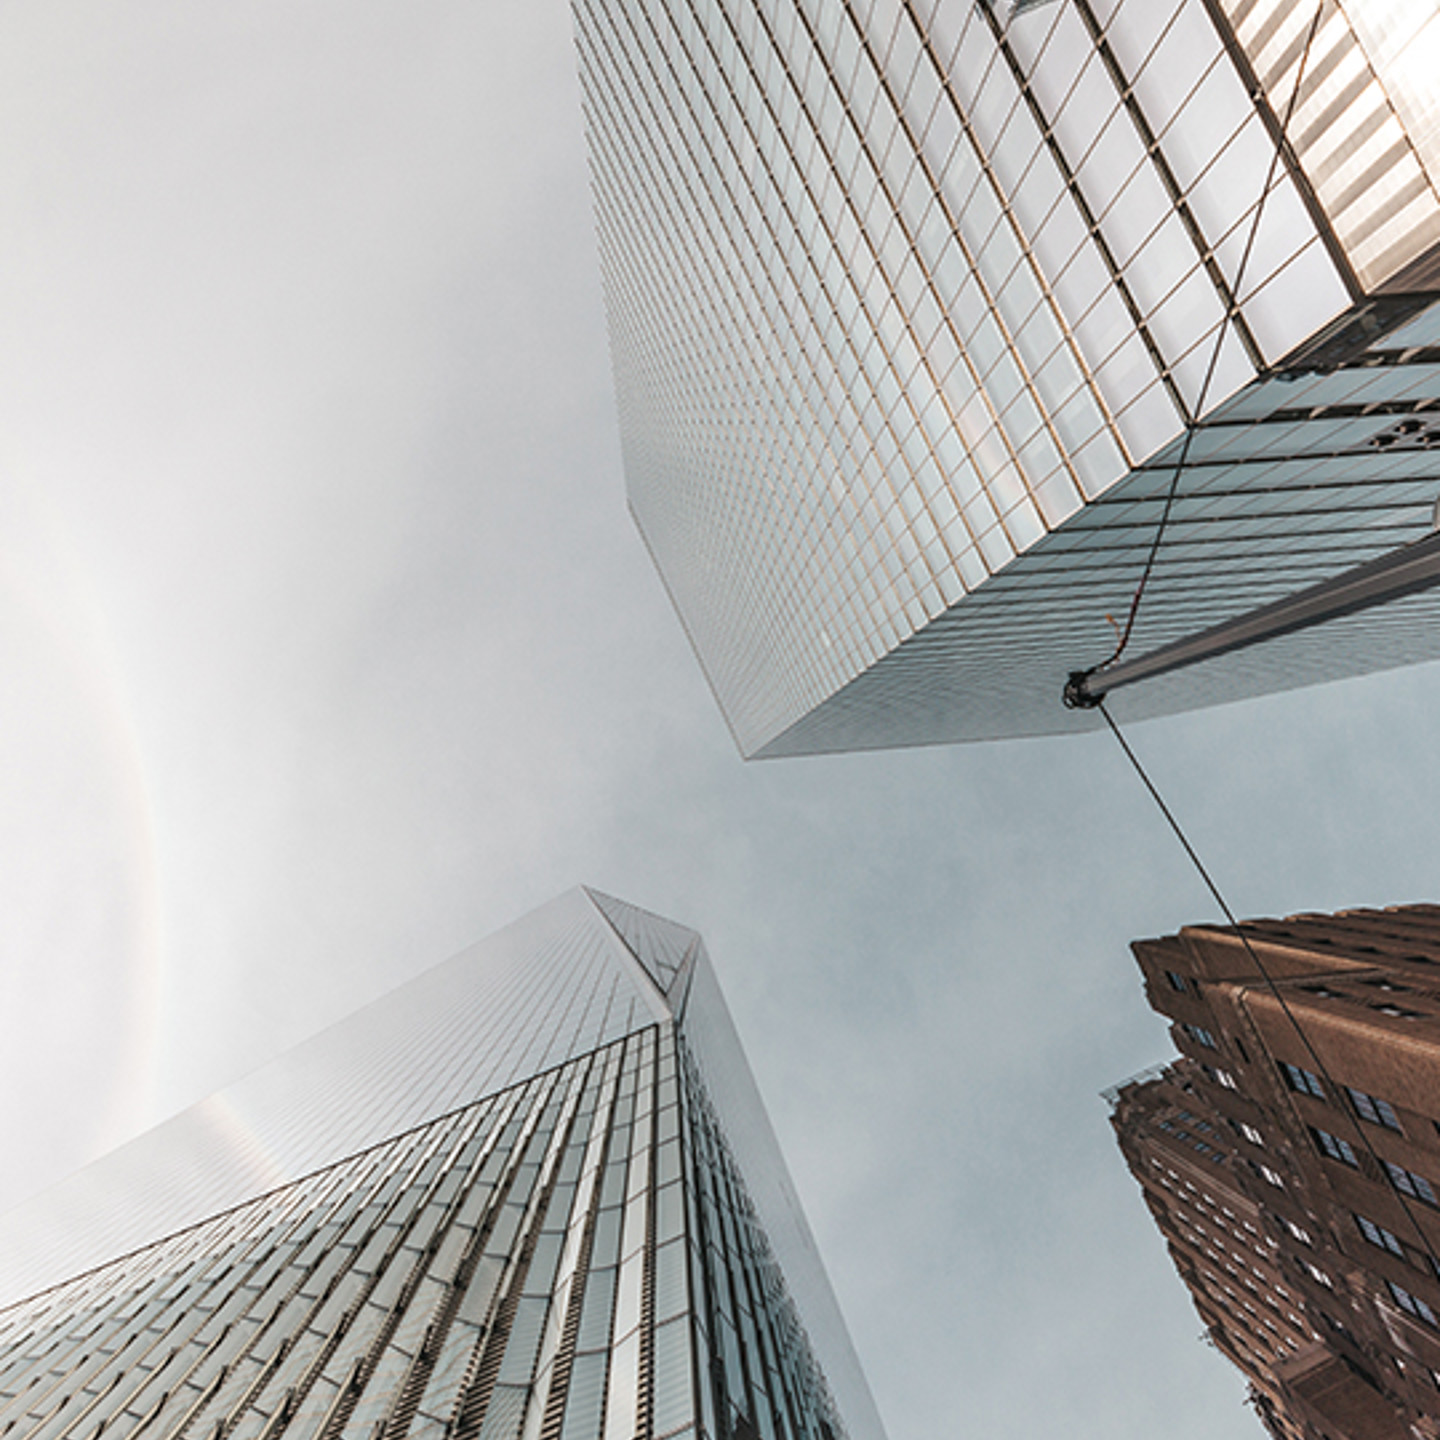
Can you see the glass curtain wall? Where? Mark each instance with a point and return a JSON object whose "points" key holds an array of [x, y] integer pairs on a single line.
{"points": [[901, 290], [575, 1253]]}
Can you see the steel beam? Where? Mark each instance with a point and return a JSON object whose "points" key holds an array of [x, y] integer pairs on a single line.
{"points": [[1405, 571]]}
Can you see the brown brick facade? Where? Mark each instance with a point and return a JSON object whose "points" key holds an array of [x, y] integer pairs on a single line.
{"points": [[1291, 1159]]}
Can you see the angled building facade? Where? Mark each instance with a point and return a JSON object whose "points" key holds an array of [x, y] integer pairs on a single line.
{"points": [[1291, 1159], [917, 305], [1216, 1235], [531, 1194]]}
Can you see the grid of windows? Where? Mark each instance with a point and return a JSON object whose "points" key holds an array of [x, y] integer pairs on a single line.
{"points": [[910, 308], [1359, 123], [523, 1263], [1209, 1220], [574, 1255], [539, 993], [1328, 1239]]}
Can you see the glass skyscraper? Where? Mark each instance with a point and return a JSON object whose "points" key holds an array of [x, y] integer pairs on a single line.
{"points": [[532, 1193], [916, 305]]}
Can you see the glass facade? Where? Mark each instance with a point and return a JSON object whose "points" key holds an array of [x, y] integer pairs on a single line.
{"points": [[913, 304], [506, 1201]]}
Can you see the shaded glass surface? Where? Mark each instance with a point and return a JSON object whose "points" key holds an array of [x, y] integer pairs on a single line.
{"points": [[908, 301], [544, 1231], [1293, 480]]}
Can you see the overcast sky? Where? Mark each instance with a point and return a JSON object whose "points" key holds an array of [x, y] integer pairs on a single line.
{"points": [[328, 648]]}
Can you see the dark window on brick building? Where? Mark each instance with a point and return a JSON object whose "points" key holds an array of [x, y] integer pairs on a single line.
{"points": [[1409, 1183], [1303, 1082], [1412, 1304], [1379, 1235], [1367, 1107], [1335, 1147]]}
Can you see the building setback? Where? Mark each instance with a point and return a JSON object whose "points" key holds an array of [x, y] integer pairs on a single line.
{"points": [[532, 1193], [916, 305], [1291, 1159]]}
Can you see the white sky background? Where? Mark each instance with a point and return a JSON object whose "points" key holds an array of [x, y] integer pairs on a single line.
{"points": [[328, 648]]}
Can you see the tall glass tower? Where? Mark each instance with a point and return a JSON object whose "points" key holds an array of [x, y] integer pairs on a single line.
{"points": [[918, 306], [532, 1193]]}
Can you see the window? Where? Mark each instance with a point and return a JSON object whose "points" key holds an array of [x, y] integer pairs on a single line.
{"points": [[1335, 1147], [1319, 1275], [1270, 1176], [1200, 1036], [1303, 1082], [1302, 1235], [1379, 1235], [1251, 1133], [1409, 1183], [1367, 1107], [1412, 1304], [1177, 982]]}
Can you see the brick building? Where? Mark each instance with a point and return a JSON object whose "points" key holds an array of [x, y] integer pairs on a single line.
{"points": [[1291, 1158]]}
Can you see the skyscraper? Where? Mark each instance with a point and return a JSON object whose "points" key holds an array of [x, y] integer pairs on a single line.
{"points": [[531, 1193], [1291, 1159], [916, 306]]}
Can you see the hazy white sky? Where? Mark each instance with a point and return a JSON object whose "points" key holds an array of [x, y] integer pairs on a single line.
{"points": [[328, 648]]}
